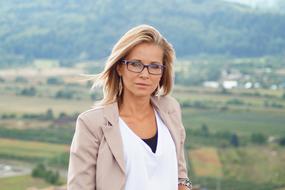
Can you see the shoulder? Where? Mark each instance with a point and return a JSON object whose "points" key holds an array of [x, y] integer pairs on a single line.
{"points": [[91, 114], [93, 118], [168, 103]]}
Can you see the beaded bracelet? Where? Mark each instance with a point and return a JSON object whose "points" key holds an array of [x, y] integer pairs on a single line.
{"points": [[186, 182]]}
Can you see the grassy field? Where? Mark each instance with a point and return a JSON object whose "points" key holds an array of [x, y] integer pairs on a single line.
{"points": [[257, 164], [21, 183], [243, 122], [250, 163], [23, 104], [29, 150], [206, 162]]}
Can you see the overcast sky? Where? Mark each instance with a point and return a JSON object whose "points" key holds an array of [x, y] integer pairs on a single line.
{"points": [[258, 3]]}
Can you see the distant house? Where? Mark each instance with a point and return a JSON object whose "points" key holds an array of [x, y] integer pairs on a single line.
{"points": [[230, 84], [248, 85], [211, 84]]}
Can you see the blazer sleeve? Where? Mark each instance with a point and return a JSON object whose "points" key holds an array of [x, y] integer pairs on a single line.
{"points": [[83, 156], [182, 165]]}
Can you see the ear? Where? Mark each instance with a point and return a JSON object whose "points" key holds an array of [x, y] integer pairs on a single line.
{"points": [[119, 69]]}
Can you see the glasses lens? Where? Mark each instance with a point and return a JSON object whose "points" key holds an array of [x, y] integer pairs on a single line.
{"points": [[135, 66], [155, 69]]}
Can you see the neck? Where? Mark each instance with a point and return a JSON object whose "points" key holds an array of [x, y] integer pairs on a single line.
{"points": [[135, 106]]}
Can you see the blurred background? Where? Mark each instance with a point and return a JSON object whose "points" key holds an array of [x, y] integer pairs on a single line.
{"points": [[229, 76]]}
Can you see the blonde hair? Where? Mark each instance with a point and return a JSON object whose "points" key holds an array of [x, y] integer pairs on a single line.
{"points": [[109, 77]]}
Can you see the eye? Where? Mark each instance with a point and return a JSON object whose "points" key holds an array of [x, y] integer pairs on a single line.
{"points": [[135, 63], [155, 66]]}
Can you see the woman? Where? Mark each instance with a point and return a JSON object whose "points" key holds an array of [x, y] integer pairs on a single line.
{"points": [[134, 138]]}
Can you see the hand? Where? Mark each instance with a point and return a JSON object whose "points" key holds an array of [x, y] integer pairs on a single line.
{"points": [[182, 187]]}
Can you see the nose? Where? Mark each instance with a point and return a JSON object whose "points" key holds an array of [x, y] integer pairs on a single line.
{"points": [[144, 72]]}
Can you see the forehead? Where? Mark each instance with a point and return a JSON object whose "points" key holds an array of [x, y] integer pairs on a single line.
{"points": [[146, 52]]}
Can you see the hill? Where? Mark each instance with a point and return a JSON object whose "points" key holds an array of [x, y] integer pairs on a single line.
{"points": [[77, 29]]}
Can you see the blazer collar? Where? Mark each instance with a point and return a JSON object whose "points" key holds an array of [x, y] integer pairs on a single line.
{"points": [[112, 132]]}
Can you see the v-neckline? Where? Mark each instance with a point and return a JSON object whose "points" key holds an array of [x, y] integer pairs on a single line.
{"points": [[156, 153]]}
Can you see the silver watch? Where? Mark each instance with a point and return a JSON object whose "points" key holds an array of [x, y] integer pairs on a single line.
{"points": [[186, 182]]}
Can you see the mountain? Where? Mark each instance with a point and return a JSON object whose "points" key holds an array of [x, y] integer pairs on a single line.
{"points": [[87, 29]]}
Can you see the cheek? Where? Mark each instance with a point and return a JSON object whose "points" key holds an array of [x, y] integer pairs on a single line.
{"points": [[156, 80]]}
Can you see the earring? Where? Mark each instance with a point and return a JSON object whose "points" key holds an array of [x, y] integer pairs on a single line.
{"points": [[158, 91], [120, 86]]}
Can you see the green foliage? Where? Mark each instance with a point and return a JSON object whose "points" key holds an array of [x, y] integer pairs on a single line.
{"points": [[65, 94], [282, 141], [60, 160], [55, 80], [48, 175], [8, 116], [20, 79], [2, 80], [283, 96], [258, 138], [205, 130], [195, 104], [47, 116], [268, 103], [51, 134], [231, 183], [235, 101], [29, 91], [211, 27]]}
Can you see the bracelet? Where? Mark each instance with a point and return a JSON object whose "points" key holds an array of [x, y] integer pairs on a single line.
{"points": [[186, 182]]}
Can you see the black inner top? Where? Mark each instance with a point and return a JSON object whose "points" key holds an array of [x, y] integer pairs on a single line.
{"points": [[152, 142]]}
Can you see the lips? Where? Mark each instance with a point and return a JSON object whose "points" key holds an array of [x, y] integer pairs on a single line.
{"points": [[141, 84]]}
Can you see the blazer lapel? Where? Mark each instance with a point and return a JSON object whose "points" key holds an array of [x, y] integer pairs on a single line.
{"points": [[165, 115], [112, 133]]}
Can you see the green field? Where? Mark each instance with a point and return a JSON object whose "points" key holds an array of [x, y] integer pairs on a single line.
{"points": [[269, 122], [250, 167], [29, 150], [22, 104], [212, 159], [21, 183]]}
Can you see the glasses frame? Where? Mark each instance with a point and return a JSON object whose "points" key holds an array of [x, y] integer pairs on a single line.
{"points": [[124, 61]]}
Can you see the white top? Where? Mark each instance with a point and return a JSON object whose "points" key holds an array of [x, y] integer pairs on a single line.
{"points": [[146, 170]]}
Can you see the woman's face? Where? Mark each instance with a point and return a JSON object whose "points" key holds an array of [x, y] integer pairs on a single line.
{"points": [[141, 84]]}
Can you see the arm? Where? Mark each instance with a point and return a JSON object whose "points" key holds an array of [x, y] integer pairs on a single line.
{"points": [[183, 180], [82, 161]]}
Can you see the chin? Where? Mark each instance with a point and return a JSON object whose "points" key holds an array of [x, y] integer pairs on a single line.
{"points": [[141, 93]]}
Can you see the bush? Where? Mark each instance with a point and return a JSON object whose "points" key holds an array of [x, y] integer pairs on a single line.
{"points": [[49, 114], [282, 141], [60, 160], [8, 116], [40, 171], [235, 101], [64, 94], [28, 91], [258, 138], [205, 130], [20, 79], [55, 80], [2, 80]]}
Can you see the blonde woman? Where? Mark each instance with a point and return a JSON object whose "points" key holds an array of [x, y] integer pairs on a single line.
{"points": [[134, 138]]}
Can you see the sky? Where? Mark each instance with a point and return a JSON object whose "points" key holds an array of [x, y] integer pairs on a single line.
{"points": [[268, 4]]}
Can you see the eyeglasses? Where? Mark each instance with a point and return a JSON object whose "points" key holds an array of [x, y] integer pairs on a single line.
{"points": [[137, 67]]}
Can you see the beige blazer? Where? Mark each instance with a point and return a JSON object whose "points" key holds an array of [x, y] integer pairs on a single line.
{"points": [[96, 153]]}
